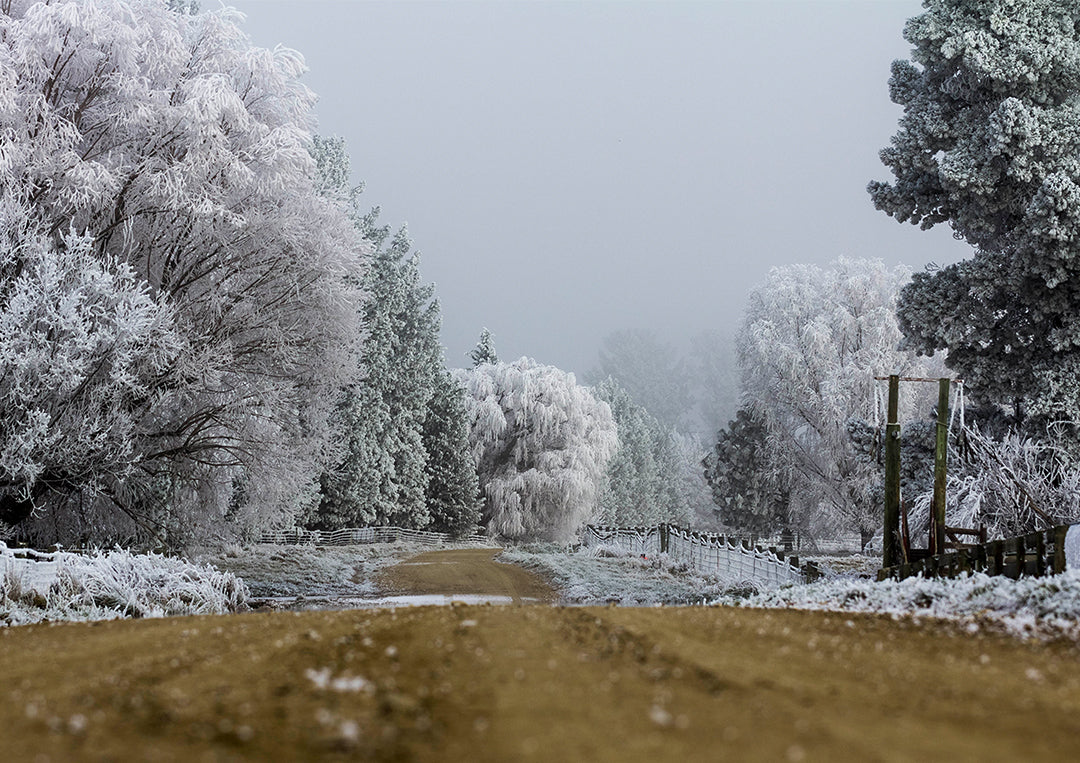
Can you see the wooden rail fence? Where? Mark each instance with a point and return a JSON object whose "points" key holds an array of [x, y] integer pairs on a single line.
{"points": [[1032, 555]]}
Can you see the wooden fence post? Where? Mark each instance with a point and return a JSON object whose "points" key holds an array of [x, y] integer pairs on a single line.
{"points": [[1059, 547], [941, 446], [890, 539]]}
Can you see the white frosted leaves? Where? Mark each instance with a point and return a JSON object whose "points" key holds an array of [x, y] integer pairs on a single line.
{"points": [[541, 443]]}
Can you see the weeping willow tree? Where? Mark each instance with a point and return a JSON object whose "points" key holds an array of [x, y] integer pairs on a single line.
{"points": [[541, 443]]}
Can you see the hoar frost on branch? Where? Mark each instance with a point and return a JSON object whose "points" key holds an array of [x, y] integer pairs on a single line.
{"points": [[178, 154], [541, 443]]}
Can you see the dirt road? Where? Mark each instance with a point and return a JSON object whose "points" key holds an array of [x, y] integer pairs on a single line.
{"points": [[509, 683], [471, 571]]}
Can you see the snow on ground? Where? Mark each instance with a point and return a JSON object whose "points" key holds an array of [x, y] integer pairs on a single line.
{"points": [[604, 574], [107, 585], [1047, 607]]}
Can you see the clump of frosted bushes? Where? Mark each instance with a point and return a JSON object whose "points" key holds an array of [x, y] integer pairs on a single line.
{"points": [[107, 585]]}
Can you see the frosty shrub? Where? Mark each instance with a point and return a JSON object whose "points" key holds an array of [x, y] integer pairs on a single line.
{"points": [[166, 251], [113, 584], [1012, 485], [1031, 607], [541, 443]]}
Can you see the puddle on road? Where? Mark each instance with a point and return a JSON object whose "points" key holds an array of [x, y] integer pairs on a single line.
{"points": [[302, 603]]}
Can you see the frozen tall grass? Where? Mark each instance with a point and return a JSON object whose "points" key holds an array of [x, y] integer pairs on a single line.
{"points": [[107, 585]]}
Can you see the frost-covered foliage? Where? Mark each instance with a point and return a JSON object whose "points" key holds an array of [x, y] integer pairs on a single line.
{"points": [[1046, 607], [642, 485], [1011, 485], [989, 142], [747, 485], [82, 344], [163, 163], [541, 443], [604, 574], [405, 459], [484, 352], [310, 572], [453, 488], [811, 343], [113, 584], [381, 478], [691, 486]]}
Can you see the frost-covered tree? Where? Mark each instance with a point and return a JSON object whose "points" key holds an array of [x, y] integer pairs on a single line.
{"points": [[165, 148], [541, 443], [382, 477], [453, 490], [748, 486], [811, 341], [484, 352], [988, 143], [81, 345], [406, 457], [642, 486], [651, 370]]}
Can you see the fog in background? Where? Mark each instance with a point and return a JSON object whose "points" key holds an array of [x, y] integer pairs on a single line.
{"points": [[571, 169]]}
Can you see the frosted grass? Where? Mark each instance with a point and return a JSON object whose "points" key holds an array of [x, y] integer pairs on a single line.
{"points": [[610, 574], [107, 585], [1045, 608], [325, 572]]}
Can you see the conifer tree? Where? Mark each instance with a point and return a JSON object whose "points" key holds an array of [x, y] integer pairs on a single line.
{"points": [[746, 484], [988, 143], [382, 477], [642, 476], [405, 437], [484, 352], [453, 492]]}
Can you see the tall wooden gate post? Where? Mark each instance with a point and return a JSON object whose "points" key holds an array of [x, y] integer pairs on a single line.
{"points": [[890, 539], [941, 446]]}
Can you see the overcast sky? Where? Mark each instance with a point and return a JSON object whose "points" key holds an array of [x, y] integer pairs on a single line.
{"points": [[568, 169]]}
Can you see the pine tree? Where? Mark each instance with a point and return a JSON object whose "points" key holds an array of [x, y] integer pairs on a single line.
{"points": [[406, 458], [643, 475], [382, 477], [746, 484], [988, 143], [484, 352], [453, 492]]}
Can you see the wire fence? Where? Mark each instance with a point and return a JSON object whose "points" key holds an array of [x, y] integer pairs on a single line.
{"points": [[354, 536], [708, 553]]}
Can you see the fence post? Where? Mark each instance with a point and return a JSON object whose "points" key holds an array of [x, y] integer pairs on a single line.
{"points": [[941, 446], [664, 530], [1059, 547], [890, 536]]}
